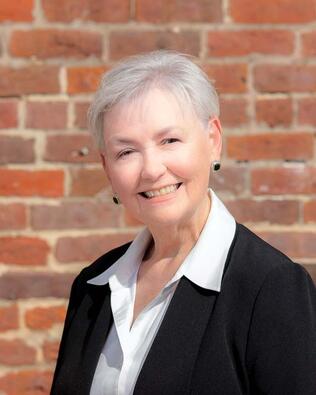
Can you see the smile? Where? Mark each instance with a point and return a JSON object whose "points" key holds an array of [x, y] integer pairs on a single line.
{"points": [[161, 192]]}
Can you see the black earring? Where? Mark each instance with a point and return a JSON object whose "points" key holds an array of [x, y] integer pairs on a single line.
{"points": [[216, 165], [116, 200]]}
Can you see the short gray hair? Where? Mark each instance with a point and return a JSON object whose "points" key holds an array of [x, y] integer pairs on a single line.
{"points": [[136, 75]]}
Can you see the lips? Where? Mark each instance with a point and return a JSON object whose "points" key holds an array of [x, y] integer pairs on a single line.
{"points": [[160, 192]]}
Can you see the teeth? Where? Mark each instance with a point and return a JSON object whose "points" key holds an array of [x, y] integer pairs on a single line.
{"points": [[162, 191]]}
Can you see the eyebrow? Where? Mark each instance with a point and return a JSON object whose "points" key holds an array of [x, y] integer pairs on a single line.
{"points": [[157, 135]]}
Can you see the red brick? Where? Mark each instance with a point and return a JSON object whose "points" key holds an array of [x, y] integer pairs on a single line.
{"points": [[81, 110], [233, 112], [16, 150], [88, 248], [41, 318], [16, 352], [272, 11], [84, 79], [8, 114], [74, 148], [9, 318], [35, 382], [311, 268], [131, 42], [285, 78], [87, 182], [228, 78], [229, 179], [16, 11], [271, 146], [310, 211], [274, 112], [307, 111], [179, 11], [50, 43], [22, 250], [28, 80], [21, 285], [279, 181], [309, 43], [46, 115], [12, 216], [50, 350], [77, 215], [47, 183], [246, 42], [294, 244], [112, 11], [271, 211]]}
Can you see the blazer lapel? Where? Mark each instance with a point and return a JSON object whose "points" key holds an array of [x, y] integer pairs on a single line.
{"points": [[170, 361]]}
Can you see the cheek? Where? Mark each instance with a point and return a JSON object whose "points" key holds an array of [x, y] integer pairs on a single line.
{"points": [[124, 176]]}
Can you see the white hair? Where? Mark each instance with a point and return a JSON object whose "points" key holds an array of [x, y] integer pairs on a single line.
{"points": [[136, 75]]}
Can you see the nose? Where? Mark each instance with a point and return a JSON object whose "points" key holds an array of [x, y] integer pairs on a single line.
{"points": [[153, 166]]}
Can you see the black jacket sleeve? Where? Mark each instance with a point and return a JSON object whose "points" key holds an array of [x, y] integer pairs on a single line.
{"points": [[281, 347]]}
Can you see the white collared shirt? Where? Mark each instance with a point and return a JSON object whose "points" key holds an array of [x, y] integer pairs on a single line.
{"points": [[126, 348]]}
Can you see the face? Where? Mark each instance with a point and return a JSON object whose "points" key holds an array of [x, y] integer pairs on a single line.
{"points": [[158, 157]]}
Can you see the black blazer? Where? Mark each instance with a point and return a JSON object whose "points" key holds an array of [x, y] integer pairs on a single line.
{"points": [[256, 336]]}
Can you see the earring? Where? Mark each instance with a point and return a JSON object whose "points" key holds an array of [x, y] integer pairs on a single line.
{"points": [[216, 164], [116, 200]]}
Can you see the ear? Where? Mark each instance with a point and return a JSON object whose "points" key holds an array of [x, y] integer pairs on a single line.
{"points": [[104, 165], [215, 135]]}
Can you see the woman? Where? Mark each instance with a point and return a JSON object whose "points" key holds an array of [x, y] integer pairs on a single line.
{"points": [[196, 303]]}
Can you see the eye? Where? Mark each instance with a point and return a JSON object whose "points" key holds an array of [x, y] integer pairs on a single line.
{"points": [[169, 141], [124, 153]]}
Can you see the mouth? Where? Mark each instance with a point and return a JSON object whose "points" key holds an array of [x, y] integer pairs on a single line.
{"points": [[161, 192]]}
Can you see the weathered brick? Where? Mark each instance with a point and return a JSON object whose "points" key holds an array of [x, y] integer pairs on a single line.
{"points": [[28, 80], [310, 211], [12, 216], [229, 179], [233, 112], [294, 244], [228, 78], [88, 248], [16, 150], [30, 382], [178, 11], [16, 11], [46, 183], [285, 78], [272, 211], [87, 182], [81, 110], [40, 318], [74, 148], [46, 115], [8, 114], [51, 43], [131, 42], [78, 215], [84, 79], [23, 250], [307, 111], [271, 146], [16, 352], [246, 42], [274, 112], [273, 11], [9, 318], [112, 11], [50, 350], [20, 285], [278, 181], [309, 43]]}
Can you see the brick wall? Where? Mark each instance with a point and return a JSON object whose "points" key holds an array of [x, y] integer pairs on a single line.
{"points": [[56, 213]]}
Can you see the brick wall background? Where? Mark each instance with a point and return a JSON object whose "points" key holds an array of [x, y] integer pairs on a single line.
{"points": [[56, 213]]}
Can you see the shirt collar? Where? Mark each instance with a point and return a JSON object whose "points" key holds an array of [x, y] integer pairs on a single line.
{"points": [[204, 265]]}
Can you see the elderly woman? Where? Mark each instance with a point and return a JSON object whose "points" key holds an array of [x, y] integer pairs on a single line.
{"points": [[197, 303]]}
